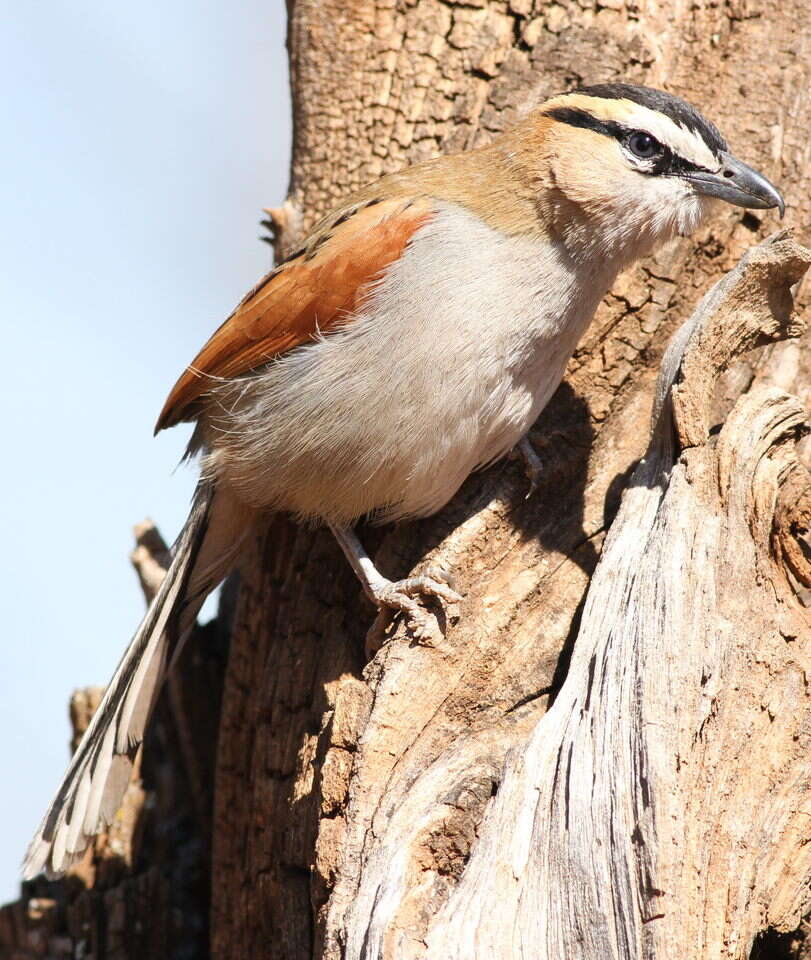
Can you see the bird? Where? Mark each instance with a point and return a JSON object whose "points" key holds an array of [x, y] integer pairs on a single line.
{"points": [[413, 338]]}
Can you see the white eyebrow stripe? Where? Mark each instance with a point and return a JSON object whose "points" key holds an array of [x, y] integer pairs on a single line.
{"points": [[634, 116], [679, 139]]}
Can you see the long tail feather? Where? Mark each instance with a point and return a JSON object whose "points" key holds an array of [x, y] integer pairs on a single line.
{"points": [[98, 775]]}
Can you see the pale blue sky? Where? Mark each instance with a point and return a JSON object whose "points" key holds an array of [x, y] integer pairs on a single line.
{"points": [[140, 143]]}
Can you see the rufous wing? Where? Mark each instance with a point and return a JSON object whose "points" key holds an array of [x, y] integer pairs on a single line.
{"points": [[317, 289]]}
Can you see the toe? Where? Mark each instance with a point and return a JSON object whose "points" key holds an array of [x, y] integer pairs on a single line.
{"points": [[441, 575], [533, 465], [401, 602], [443, 591], [404, 597], [428, 586]]}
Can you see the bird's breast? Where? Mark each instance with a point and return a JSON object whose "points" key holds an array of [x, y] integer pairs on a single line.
{"points": [[511, 309], [444, 368]]}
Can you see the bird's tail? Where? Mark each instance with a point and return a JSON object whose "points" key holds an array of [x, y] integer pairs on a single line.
{"points": [[94, 784]]}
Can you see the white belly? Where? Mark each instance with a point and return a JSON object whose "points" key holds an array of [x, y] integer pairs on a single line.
{"points": [[452, 359]]}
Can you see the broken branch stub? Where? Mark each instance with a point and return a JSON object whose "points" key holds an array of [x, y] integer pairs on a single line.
{"points": [[660, 808], [750, 307]]}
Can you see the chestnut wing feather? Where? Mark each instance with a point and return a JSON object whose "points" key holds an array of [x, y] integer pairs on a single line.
{"points": [[307, 296]]}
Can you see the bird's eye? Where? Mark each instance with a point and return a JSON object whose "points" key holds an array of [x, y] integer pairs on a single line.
{"points": [[643, 145]]}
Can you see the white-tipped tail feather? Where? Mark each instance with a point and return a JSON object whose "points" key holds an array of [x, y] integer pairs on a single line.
{"points": [[94, 784]]}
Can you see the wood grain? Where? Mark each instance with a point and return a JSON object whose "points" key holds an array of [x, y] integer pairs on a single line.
{"points": [[660, 808], [378, 85], [305, 787]]}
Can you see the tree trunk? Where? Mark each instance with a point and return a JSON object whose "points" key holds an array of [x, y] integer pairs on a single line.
{"points": [[361, 809], [428, 802]]}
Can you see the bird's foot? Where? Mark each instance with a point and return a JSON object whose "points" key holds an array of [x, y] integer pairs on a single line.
{"points": [[402, 596], [533, 465], [391, 597]]}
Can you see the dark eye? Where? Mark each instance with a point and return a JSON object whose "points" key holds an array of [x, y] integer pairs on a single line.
{"points": [[643, 145]]}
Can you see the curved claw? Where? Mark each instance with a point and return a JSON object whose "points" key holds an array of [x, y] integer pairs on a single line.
{"points": [[401, 595], [533, 465]]}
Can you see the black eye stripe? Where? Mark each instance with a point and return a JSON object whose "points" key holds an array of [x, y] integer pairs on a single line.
{"points": [[585, 120], [668, 162]]}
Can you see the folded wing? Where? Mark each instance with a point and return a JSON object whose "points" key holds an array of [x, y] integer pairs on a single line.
{"points": [[317, 289]]}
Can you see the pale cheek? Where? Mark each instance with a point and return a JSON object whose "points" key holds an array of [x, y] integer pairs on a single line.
{"points": [[671, 207], [625, 214], [694, 211]]}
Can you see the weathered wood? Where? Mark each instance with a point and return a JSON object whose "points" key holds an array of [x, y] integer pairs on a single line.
{"points": [[320, 755], [660, 808], [323, 758]]}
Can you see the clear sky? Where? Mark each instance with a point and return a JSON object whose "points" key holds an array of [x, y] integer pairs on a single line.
{"points": [[140, 142]]}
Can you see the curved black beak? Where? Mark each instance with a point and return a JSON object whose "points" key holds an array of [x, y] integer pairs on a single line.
{"points": [[738, 184]]}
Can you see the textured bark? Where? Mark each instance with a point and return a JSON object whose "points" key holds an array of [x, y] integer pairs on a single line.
{"points": [[351, 798], [372, 809], [660, 808]]}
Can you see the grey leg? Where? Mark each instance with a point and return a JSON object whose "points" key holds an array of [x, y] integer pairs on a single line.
{"points": [[533, 465]]}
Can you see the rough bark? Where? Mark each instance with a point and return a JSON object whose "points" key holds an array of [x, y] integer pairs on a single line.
{"points": [[362, 808], [325, 764], [660, 807]]}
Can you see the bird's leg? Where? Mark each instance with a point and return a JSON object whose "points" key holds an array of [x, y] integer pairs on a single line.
{"points": [[533, 465], [399, 595]]}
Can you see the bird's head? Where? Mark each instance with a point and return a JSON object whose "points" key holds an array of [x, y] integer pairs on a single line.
{"points": [[628, 168]]}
